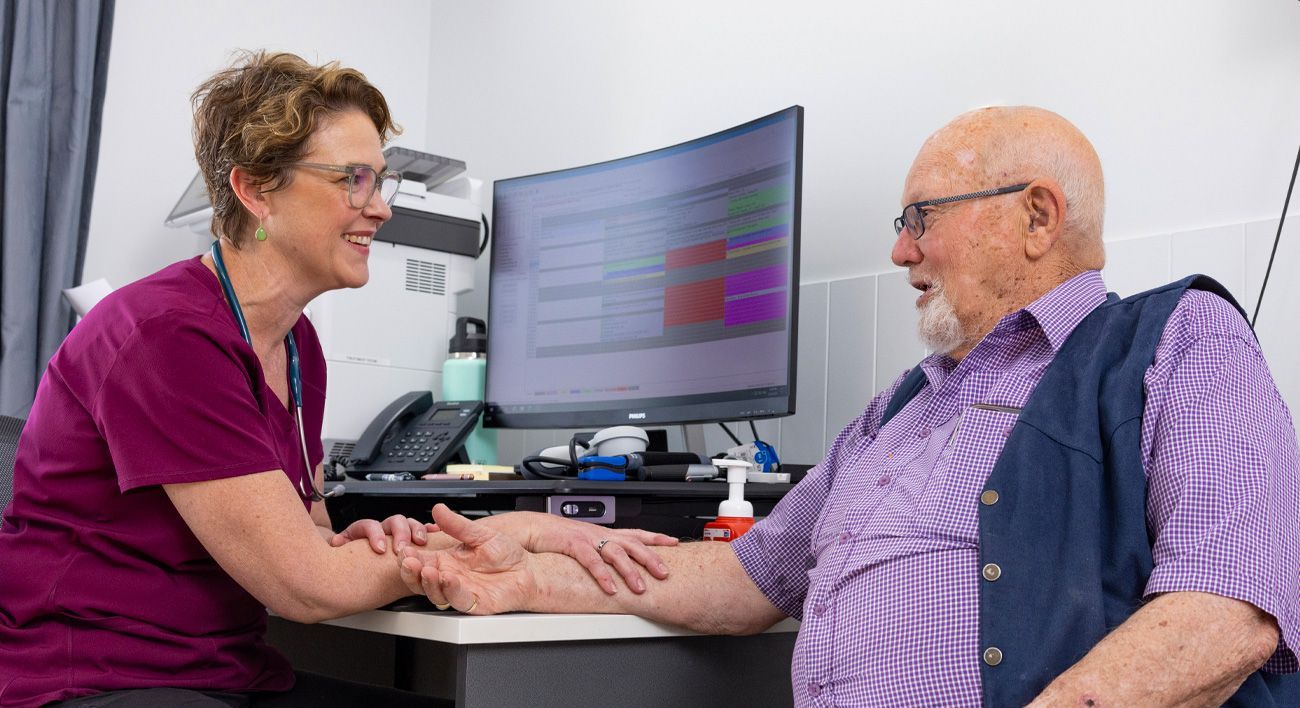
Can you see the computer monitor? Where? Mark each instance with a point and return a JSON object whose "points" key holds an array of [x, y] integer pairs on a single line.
{"points": [[654, 289]]}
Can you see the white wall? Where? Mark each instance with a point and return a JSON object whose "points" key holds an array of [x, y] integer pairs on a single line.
{"points": [[1193, 105], [160, 52]]}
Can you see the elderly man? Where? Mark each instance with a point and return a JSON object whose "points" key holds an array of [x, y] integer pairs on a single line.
{"points": [[1087, 500]]}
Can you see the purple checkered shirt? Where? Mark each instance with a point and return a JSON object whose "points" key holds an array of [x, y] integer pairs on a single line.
{"points": [[877, 550]]}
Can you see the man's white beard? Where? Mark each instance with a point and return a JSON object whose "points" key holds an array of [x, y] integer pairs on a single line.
{"points": [[939, 328]]}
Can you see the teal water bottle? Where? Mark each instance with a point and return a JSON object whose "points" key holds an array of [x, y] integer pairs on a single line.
{"points": [[463, 377]]}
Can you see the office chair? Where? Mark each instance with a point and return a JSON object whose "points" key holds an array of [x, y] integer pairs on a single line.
{"points": [[10, 428]]}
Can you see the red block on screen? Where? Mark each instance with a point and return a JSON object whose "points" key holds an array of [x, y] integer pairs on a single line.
{"points": [[694, 302], [694, 255]]}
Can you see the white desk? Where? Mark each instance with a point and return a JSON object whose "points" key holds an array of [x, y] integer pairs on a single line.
{"points": [[579, 660]]}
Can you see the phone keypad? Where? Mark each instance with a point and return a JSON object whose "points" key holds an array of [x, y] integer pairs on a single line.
{"points": [[417, 446]]}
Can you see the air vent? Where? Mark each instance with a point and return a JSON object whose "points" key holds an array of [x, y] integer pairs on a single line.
{"points": [[426, 277], [341, 451]]}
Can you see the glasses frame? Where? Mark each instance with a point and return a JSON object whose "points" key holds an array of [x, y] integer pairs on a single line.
{"points": [[351, 171], [901, 221]]}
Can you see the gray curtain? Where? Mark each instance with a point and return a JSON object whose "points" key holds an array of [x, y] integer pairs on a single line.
{"points": [[53, 67]]}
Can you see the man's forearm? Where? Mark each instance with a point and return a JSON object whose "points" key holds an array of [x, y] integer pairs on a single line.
{"points": [[1184, 648], [707, 590]]}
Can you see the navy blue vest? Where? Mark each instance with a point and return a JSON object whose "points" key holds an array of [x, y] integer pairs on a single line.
{"points": [[1067, 526]]}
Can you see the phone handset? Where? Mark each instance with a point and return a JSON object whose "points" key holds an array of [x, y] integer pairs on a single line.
{"points": [[405, 407]]}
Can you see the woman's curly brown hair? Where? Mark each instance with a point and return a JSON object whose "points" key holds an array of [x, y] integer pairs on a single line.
{"points": [[259, 115]]}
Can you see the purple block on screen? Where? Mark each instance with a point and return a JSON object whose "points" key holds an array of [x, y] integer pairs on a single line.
{"points": [[754, 309], [758, 279]]}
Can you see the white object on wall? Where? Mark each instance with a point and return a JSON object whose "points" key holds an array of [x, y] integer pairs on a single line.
{"points": [[84, 297]]}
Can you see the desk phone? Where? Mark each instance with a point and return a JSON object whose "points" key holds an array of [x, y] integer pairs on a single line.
{"points": [[414, 434]]}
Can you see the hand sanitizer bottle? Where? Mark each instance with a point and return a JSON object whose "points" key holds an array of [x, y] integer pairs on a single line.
{"points": [[735, 515]]}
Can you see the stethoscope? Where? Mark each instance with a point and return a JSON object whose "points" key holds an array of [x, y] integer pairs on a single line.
{"points": [[295, 376]]}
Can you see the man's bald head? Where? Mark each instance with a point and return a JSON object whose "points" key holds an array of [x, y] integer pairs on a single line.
{"points": [[993, 147], [984, 256]]}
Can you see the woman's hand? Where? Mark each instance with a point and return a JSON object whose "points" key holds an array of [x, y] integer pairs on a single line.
{"points": [[403, 530], [595, 547], [487, 573]]}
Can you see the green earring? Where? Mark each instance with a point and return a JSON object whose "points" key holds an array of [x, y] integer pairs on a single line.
{"points": [[260, 235]]}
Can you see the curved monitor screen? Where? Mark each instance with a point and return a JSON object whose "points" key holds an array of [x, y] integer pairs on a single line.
{"points": [[658, 288]]}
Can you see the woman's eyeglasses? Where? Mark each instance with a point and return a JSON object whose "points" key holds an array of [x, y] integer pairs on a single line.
{"points": [[363, 182]]}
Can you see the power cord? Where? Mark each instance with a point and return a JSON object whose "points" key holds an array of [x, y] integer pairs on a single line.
{"points": [[536, 464], [1276, 239], [487, 235]]}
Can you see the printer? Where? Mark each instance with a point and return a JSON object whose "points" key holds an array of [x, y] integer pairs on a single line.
{"points": [[390, 336]]}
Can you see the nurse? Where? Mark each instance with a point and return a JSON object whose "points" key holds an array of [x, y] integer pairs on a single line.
{"points": [[168, 481]]}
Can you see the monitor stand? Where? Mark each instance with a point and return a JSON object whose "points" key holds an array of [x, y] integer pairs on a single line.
{"points": [[693, 435]]}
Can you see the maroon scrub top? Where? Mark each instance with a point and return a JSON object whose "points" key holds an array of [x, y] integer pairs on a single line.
{"points": [[102, 584]]}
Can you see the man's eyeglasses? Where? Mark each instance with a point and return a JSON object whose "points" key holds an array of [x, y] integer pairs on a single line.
{"points": [[913, 218], [363, 181]]}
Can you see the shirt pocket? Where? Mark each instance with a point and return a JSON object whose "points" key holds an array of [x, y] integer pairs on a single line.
{"points": [[949, 506]]}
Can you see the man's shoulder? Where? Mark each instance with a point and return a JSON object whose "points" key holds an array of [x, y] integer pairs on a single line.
{"points": [[1201, 313], [1202, 329]]}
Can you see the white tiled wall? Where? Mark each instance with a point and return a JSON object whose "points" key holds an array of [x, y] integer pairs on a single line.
{"points": [[850, 351], [802, 434], [1218, 252], [1137, 264], [858, 334], [897, 347], [1277, 322]]}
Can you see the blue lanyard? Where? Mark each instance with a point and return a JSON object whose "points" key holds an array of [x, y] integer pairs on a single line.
{"points": [[295, 372]]}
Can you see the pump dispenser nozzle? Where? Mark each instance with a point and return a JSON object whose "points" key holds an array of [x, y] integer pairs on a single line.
{"points": [[735, 515]]}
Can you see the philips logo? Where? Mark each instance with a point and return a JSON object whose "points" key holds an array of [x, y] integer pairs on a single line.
{"points": [[636, 416]]}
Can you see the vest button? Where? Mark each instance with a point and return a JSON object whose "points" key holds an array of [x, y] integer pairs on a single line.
{"points": [[989, 497], [993, 656], [992, 572]]}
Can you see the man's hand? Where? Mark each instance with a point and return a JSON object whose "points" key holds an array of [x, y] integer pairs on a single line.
{"points": [[487, 573], [403, 530], [595, 547]]}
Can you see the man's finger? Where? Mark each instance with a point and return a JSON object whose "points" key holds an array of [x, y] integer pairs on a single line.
{"points": [[431, 585], [410, 569], [422, 582], [459, 527], [459, 594]]}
